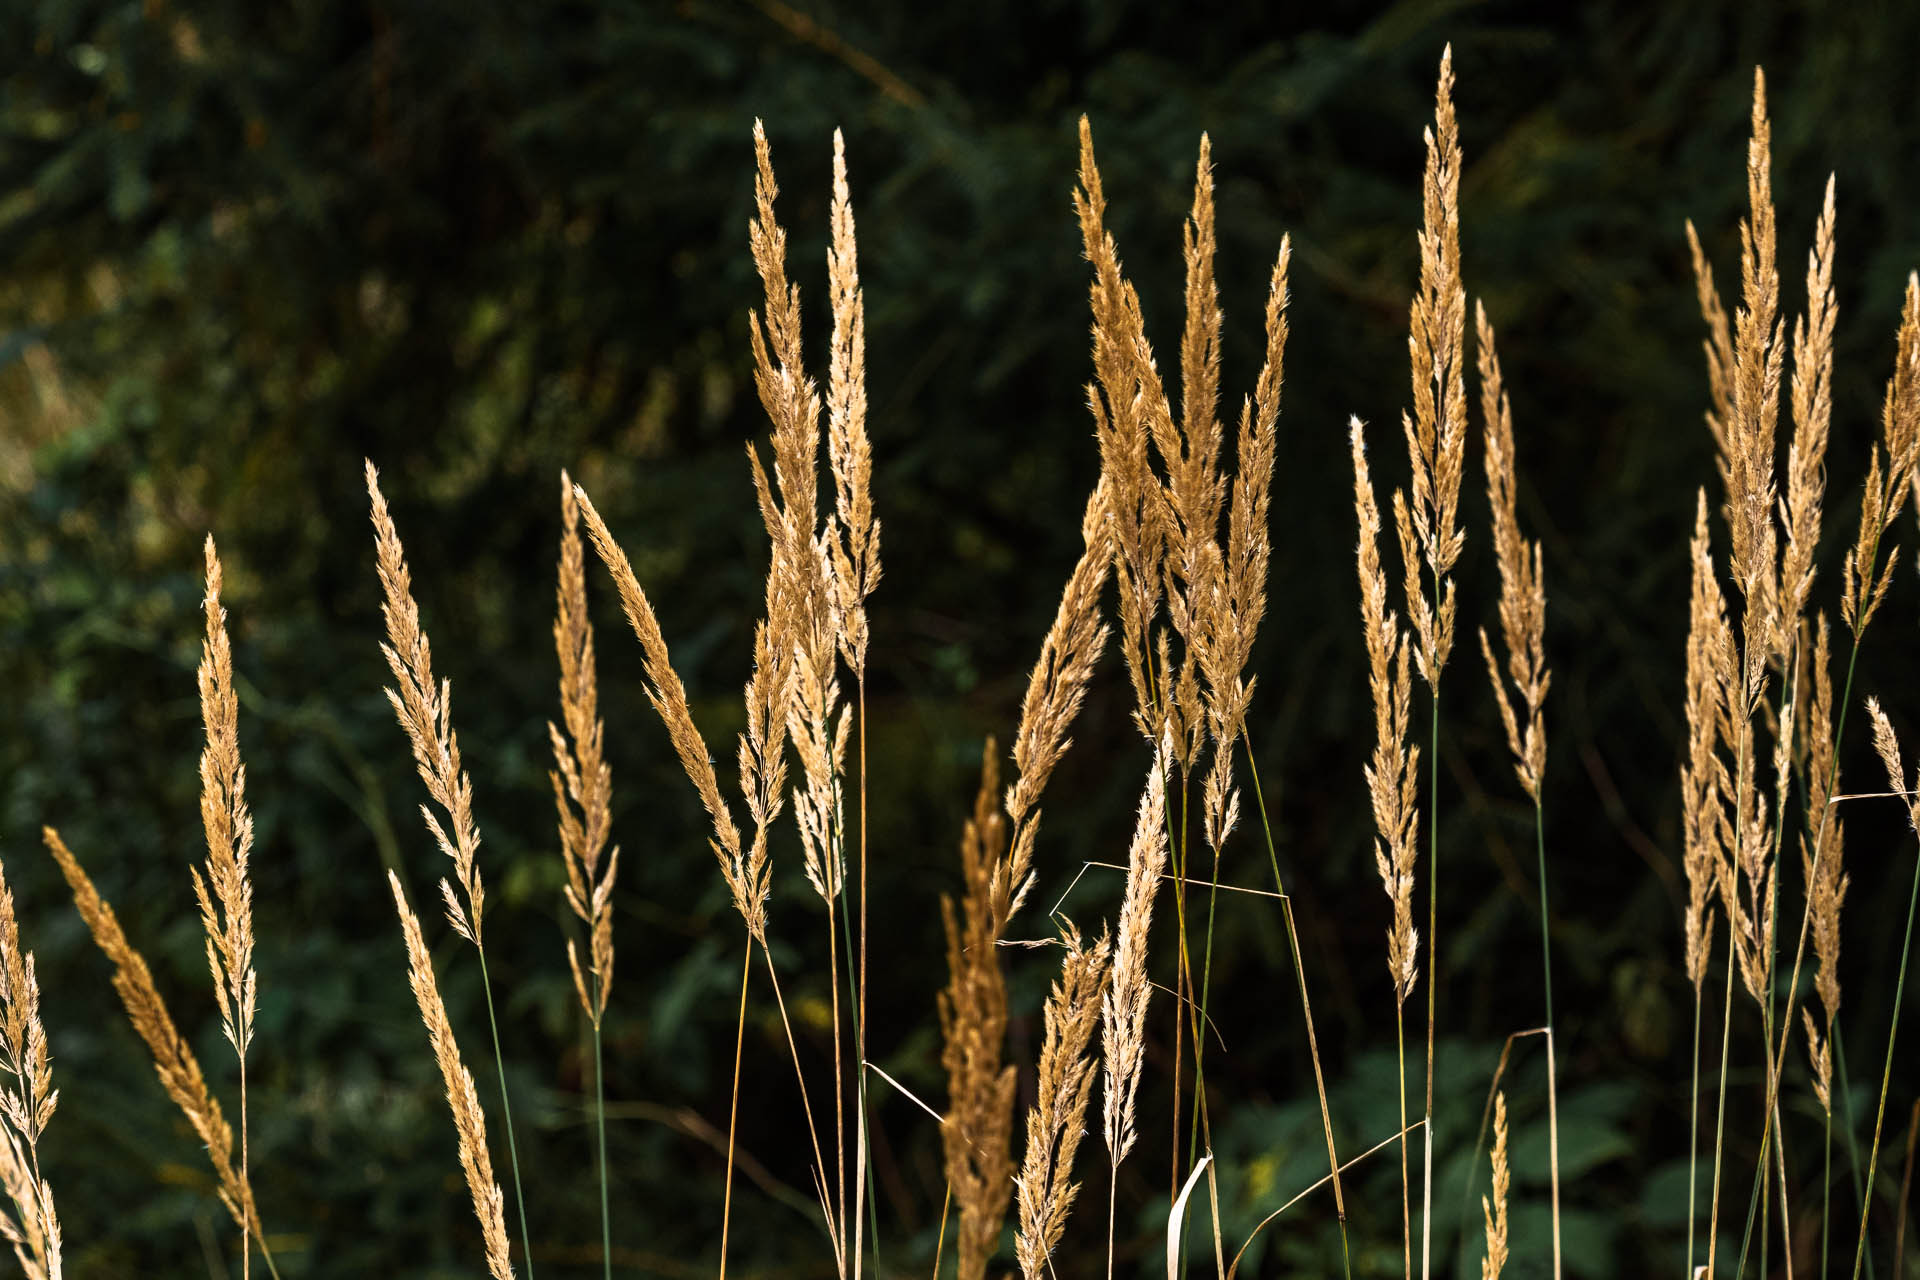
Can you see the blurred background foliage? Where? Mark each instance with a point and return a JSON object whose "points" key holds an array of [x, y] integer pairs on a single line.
{"points": [[247, 244]]}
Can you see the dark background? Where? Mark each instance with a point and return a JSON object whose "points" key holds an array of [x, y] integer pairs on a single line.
{"points": [[244, 245]]}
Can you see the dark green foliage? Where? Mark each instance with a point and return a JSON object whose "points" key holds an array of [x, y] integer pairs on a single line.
{"points": [[479, 243]]}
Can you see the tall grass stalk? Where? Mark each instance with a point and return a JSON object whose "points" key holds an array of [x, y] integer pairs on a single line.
{"points": [[1433, 950], [1720, 1121], [733, 1108], [1693, 1134], [506, 1113], [600, 1126], [1553, 1030]]}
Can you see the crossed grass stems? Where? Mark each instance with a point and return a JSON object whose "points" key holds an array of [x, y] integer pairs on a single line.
{"points": [[1153, 526]]}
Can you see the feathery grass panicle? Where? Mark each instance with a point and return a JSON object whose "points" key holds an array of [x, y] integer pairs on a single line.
{"points": [[1134, 509], [1523, 594], [1718, 348], [1826, 876], [1812, 405], [1823, 862], [469, 1121], [227, 910], [173, 1059], [31, 1229], [1495, 1210], [746, 877], [855, 548], [26, 1105], [1703, 775], [1888, 474], [424, 709], [425, 712], [1755, 408], [795, 682], [973, 1028], [582, 781], [1436, 430], [1393, 773], [1123, 1010], [1055, 690], [1392, 777], [583, 798], [1056, 1121], [1428, 523]]}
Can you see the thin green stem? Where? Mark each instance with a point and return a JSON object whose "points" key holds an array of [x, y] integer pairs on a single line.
{"points": [[863, 1167], [1850, 1127], [1433, 951], [1886, 1074], [600, 1123], [733, 1111], [1826, 1190], [863, 1188], [1306, 1005], [1406, 1214], [1546, 970], [1720, 1123], [1693, 1131], [506, 1112]]}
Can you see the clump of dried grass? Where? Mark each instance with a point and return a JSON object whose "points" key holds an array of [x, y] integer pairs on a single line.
{"points": [[469, 1121], [1056, 1121], [26, 1105]]}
